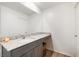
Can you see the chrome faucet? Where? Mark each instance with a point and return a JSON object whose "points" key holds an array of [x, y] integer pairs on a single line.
{"points": [[22, 36]]}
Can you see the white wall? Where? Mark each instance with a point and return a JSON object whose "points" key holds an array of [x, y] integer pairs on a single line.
{"points": [[12, 22], [58, 20], [35, 23]]}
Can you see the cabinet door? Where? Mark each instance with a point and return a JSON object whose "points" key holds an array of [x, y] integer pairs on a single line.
{"points": [[28, 54], [49, 43], [38, 51]]}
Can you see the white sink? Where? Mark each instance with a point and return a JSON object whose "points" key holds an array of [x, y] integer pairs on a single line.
{"points": [[29, 39], [26, 40]]}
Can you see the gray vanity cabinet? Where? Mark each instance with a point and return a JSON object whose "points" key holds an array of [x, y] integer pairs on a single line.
{"points": [[32, 49], [29, 50]]}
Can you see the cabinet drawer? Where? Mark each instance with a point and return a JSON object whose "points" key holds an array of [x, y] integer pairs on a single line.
{"points": [[37, 42], [46, 38]]}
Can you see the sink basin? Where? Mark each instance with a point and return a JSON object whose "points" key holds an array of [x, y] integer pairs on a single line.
{"points": [[26, 40], [29, 39]]}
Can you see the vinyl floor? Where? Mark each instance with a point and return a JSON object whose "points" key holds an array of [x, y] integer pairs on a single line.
{"points": [[54, 54]]}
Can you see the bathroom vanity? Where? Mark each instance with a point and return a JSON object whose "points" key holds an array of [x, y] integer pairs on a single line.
{"points": [[29, 47]]}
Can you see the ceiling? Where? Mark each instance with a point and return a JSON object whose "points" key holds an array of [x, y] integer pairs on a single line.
{"points": [[18, 7], [45, 5], [21, 8]]}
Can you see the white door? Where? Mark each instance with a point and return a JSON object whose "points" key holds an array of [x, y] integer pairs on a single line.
{"points": [[77, 30]]}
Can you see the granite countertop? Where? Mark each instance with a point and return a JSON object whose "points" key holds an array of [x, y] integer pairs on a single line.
{"points": [[13, 44]]}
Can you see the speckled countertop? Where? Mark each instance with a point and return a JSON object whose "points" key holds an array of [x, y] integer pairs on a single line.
{"points": [[13, 44]]}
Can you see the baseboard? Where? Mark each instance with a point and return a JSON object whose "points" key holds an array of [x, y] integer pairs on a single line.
{"points": [[62, 53]]}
